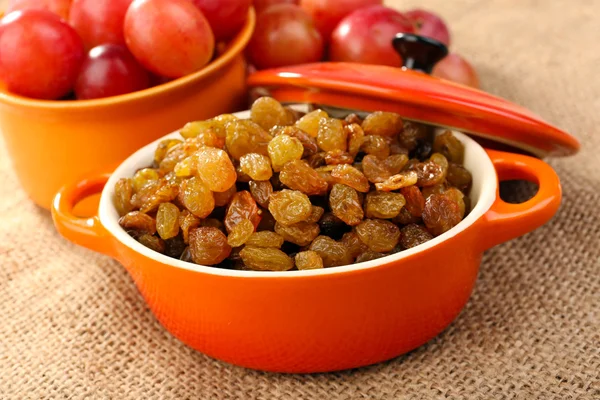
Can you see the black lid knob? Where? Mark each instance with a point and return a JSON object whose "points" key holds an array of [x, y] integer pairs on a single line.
{"points": [[419, 52]]}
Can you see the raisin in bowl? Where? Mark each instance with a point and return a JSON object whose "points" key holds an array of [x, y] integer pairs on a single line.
{"points": [[342, 290]]}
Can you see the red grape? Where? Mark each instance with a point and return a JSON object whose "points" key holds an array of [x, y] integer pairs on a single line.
{"points": [[58, 7], [455, 68], [40, 55], [171, 38], [99, 21], [429, 24], [226, 17], [261, 5], [328, 13], [284, 35], [110, 70], [365, 36]]}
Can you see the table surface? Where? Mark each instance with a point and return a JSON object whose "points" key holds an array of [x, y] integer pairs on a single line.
{"points": [[74, 326]]}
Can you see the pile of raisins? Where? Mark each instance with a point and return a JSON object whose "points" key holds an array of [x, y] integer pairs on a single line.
{"points": [[283, 191]]}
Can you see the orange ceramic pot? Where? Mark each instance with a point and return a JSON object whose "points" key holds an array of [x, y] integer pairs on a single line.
{"points": [[54, 142], [319, 320]]}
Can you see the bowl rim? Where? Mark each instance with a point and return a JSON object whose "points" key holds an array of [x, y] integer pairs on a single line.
{"points": [[109, 217], [233, 49]]}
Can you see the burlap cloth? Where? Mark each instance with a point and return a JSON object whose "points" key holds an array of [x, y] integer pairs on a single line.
{"points": [[72, 324]]}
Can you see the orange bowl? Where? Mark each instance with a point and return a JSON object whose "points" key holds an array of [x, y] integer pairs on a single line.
{"points": [[318, 320], [54, 142]]}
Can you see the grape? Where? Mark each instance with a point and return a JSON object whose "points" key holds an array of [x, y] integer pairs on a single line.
{"points": [[284, 35], [99, 21], [58, 7], [171, 38], [328, 13], [110, 70], [261, 5], [429, 24], [365, 36], [455, 68], [226, 17], [40, 55]]}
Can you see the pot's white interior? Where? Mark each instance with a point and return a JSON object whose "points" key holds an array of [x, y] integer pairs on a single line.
{"points": [[483, 194]]}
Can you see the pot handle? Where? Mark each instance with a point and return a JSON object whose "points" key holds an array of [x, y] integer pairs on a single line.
{"points": [[505, 221], [86, 232]]}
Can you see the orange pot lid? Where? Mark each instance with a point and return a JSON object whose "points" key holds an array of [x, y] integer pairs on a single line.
{"points": [[417, 96]]}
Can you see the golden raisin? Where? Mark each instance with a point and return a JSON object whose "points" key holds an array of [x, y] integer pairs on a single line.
{"points": [[308, 260], [256, 166], [376, 146], [167, 220], [283, 149], [332, 135], [315, 214], [122, 196], [164, 193], [301, 233], [308, 142], [194, 129], [163, 147], [459, 177], [144, 176], [356, 137], [139, 222], [310, 122], [196, 197], [435, 189], [384, 205], [266, 259], [186, 167], [261, 192], [405, 218], [353, 119], [378, 234], [368, 256], [242, 206], [332, 252], [336, 157], [208, 246], [152, 242], [383, 123], [414, 235], [345, 204], [350, 176], [240, 233], [450, 147], [298, 175], [441, 213], [215, 169], [244, 136], [429, 173], [317, 160], [187, 221], [375, 169], [415, 201], [353, 243], [398, 181], [290, 206], [268, 112], [265, 239], [458, 197], [395, 163]]}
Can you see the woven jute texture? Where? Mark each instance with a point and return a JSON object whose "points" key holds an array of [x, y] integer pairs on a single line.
{"points": [[72, 324]]}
